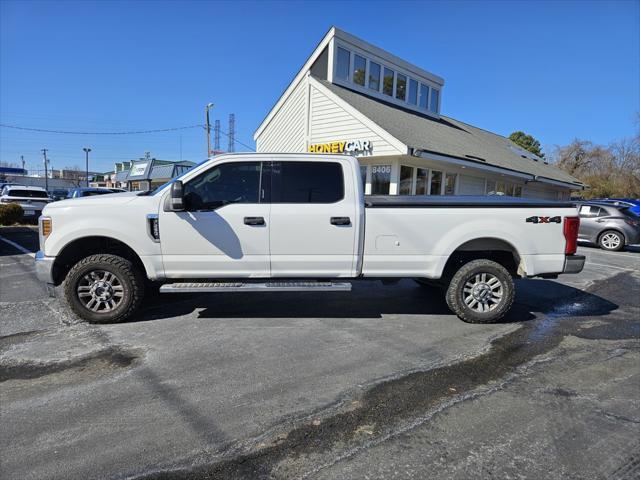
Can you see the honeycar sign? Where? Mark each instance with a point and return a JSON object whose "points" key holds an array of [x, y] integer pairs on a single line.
{"points": [[352, 147]]}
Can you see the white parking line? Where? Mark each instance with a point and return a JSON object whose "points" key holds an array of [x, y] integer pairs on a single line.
{"points": [[19, 247], [608, 266]]}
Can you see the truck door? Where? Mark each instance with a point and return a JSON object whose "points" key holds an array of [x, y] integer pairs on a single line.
{"points": [[224, 230], [313, 219]]}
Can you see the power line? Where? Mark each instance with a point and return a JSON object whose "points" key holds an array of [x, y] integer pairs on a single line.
{"points": [[238, 141], [15, 127]]}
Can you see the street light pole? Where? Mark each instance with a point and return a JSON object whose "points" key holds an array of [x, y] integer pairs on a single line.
{"points": [[208, 127], [86, 158], [46, 175]]}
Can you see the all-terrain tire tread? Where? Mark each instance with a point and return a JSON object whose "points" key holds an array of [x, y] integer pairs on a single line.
{"points": [[459, 277], [119, 263]]}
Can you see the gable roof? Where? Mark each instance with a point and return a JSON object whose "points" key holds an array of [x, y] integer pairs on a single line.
{"points": [[447, 136]]}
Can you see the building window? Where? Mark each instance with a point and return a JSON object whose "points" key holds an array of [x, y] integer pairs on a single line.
{"points": [[450, 184], [422, 180], [374, 76], [363, 174], [401, 87], [380, 179], [424, 96], [491, 187], [359, 67], [406, 180], [413, 92], [436, 182], [435, 97], [517, 190], [387, 83], [344, 58], [500, 188]]}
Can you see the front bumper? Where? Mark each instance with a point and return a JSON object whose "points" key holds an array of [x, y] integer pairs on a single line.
{"points": [[573, 263], [44, 267]]}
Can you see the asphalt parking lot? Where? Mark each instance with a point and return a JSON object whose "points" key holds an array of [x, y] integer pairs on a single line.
{"points": [[380, 383]]}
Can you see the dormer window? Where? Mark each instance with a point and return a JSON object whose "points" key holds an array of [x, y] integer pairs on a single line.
{"points": [[387, 83], [374, 76], [356, 68], [401, 87], [359, 69], [344, 58]]}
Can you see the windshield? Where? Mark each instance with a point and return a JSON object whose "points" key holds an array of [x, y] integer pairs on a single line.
{"points": [[629, 213], [27, 193]]}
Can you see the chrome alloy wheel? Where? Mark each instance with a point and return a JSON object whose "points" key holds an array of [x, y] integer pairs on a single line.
{"points": [[611, 241], [483, 292], [100, 291]]}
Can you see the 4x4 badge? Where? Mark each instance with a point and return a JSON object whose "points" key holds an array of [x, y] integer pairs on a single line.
{"points": [[544, 220]]}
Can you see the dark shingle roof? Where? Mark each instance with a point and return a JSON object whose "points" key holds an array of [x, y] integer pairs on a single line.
{"points": [[447, 136]]}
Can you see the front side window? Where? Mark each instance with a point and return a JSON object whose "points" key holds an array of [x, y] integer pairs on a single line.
{"points": [[435, 98], [406, 180], [387, 84], [401, 87], [413, 92], [380, 179], [307, 182], [450, 184], [342, 68], [423, 100], [422, 180], [436, 182], [359, 68], [235, 182], [374, 76]]}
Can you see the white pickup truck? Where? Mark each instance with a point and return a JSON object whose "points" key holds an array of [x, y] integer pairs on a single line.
{"points": [[296, 222]]}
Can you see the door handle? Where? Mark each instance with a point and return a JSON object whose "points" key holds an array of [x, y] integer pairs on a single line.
{"points": [[254, 221], [340, 221]]}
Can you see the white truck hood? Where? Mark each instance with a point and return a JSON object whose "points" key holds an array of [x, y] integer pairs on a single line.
{"points": [[111, 199]]}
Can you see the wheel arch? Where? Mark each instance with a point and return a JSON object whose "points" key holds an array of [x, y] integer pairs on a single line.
{"points": [[491, 248], [82, 247]]}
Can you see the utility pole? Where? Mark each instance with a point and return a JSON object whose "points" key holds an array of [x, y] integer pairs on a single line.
{"points": [[22, 160], [208, 128], [232, 133], [86, 159], [46, 178]]}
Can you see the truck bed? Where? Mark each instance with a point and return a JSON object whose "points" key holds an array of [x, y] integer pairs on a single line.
{"points": [[459, 201]]}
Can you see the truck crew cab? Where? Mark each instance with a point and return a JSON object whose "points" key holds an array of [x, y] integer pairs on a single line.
{"points": [[274, 222]]}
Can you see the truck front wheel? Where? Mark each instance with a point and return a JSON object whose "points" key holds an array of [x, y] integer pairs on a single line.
{"points": [[481, 291], [104, 288]]}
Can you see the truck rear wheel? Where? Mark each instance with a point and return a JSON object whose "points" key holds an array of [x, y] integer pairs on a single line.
{"points": [[481, 291], [104, 288]]}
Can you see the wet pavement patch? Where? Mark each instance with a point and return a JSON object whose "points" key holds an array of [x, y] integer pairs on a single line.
{"points": [[400, 400], [100, 362]]}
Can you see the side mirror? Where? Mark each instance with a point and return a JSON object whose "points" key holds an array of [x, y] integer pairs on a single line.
{"points": [[177, 196]]}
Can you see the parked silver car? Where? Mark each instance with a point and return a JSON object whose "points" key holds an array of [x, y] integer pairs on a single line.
{"points": [[610, 227]]}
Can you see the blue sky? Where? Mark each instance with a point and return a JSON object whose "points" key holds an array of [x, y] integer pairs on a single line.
{"points": [[557, 70]]}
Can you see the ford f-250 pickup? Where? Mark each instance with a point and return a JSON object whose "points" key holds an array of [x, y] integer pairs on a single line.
{"points": [[296, 222]]}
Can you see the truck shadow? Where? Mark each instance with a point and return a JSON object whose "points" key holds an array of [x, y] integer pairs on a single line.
{"points": [[368, 299]]}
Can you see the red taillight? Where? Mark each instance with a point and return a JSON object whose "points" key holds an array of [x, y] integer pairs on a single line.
{"points": [[570, 230]]}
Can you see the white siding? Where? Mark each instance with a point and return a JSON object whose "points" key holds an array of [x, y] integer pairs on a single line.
{"points": [[331, 122], [285, 132], [470, 185]]}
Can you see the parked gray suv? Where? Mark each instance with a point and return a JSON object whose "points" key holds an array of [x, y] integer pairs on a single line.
{"points": [[608, 226]]}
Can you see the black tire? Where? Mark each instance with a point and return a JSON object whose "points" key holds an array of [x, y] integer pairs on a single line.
{"points": [[496, 306], [611, 240], [126, 290]]}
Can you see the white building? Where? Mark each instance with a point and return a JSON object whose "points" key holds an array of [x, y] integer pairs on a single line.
{"points": [[352, 97]]}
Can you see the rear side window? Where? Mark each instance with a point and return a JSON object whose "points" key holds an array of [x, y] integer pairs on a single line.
{"points": [[27, 193], [307, 182]]}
